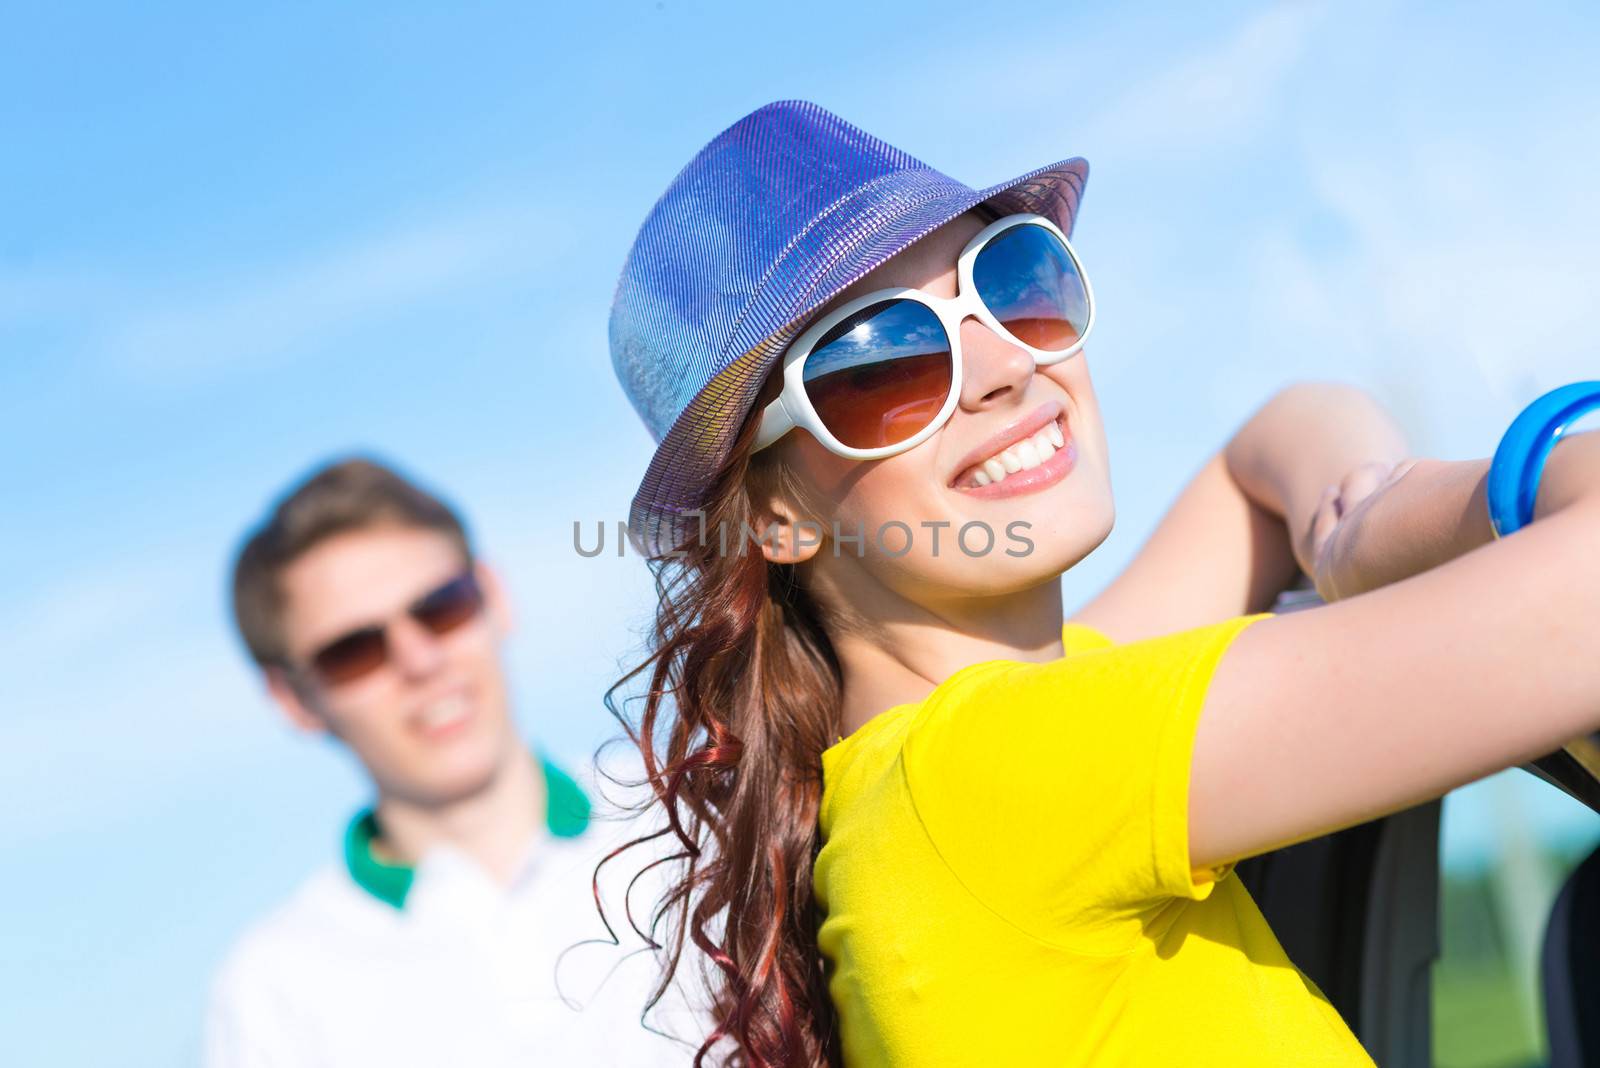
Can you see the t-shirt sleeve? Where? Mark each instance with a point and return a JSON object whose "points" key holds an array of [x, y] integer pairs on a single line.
{"points": [[1058, 793]]}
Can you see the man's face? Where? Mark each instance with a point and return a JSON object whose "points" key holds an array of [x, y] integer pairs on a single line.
{"points": [[432, 724]]}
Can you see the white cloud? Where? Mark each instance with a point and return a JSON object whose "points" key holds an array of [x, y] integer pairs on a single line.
{"points": [[1479, 269], [128, 685], [35, 296], [81, 613], [265, 316], [1214, 99]]}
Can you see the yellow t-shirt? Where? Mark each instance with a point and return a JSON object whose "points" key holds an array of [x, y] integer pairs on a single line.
{"points": [[1004, 877]]}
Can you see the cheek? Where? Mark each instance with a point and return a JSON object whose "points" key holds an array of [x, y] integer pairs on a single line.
{"points": [[826, 476], [839, 483], [1088, 430], [889, 502], [865, 495], [362, 714], [477, 657], [1072, 376], [476, 660]]}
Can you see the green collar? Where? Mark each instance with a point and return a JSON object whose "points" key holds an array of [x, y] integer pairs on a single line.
{"points": [[566, 815]]}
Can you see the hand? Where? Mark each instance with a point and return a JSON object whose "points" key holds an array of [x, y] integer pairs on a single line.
{"points": [[1326, 549]]}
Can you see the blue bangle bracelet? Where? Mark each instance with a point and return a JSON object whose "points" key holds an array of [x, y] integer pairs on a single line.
{"points": [[1519, 460]]}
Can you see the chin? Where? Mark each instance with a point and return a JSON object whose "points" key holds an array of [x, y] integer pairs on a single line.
{"points": [[458, 782], [1045, 553], [1001, 575], [462, 770]]}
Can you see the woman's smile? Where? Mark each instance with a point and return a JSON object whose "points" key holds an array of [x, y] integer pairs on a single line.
{"points": [[1032, 453]]}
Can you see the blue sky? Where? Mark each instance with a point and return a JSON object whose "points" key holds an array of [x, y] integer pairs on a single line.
{"points": [[236, 242]]}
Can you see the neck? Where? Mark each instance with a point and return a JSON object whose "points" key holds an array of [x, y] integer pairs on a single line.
{"points": [[910, 648], [493, 825]]}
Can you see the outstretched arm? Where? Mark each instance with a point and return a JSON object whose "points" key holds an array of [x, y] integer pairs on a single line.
{"points": [[1322, 719], [1304, 445], [1238, 534]]}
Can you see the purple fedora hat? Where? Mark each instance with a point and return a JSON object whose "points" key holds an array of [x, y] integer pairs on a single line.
{"points": [[771, 220]]}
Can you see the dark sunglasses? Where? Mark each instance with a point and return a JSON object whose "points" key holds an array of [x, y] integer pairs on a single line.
{"points": [[880, 374], [364, 650]]}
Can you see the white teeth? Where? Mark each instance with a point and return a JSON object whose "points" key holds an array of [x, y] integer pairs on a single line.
{"points": [[444, 712], [1026, 454], [1046, 448]]}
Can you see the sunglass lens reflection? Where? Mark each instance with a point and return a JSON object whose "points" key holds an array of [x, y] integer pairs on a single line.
{"points": [[449, 606], [363, 651], [352, 656], [1028, 279], [882, 375]]}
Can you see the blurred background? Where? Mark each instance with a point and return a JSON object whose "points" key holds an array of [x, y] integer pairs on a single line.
{"points": [[235, 243]]}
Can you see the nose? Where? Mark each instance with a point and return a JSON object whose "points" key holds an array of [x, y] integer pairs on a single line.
{"points": [[415, 651], [994, 371]]}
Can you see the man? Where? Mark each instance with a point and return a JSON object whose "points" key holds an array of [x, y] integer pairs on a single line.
{"points": [[434, 940]]}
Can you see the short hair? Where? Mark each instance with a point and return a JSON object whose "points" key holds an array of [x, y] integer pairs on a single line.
{"points": [[354, 493]]}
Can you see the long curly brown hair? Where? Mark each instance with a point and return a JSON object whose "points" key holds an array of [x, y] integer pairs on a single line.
{"points": [[744, 695]]}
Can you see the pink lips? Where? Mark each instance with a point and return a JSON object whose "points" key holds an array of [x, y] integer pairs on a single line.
{"points": [[1009, 435], [1033, 479], [455, 725]]}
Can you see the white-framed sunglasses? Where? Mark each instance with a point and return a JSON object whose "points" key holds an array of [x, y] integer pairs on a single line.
{"points": [[880, 374]]}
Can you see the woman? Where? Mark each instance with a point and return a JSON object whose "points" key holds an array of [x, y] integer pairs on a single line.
{"points": [[923, 820]]}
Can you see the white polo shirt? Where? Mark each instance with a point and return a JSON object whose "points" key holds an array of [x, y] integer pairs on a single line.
{"points": [[370, 963]]}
